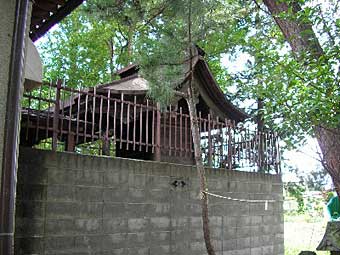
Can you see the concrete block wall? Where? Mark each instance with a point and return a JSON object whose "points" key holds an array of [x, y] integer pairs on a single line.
{"points": [[76, 204]]}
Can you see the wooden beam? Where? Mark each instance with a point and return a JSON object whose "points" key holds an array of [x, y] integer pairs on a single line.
{"points": [[62, 12]]}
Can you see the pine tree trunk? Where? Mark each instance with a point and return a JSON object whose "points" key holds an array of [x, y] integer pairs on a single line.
{"points": [[302, 38], [196, 137], [200, 171]]}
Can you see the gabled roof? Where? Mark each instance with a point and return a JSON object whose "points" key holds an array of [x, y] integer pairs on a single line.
{"points": [[132, 83], [47, 13]]}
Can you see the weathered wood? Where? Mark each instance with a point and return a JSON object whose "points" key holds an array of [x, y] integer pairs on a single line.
{"points": [[56, 117], [158, 134]]}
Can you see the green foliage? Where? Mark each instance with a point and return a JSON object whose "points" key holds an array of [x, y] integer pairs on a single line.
{"points": [[298, 93], [102, 36], [296, 190]]}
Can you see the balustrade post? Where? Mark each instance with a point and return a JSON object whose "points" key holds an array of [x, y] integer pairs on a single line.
{"points": [[158, 134], [56, 116]]}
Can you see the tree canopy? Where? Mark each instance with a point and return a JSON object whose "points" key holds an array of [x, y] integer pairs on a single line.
{"points": [[100, 37]]}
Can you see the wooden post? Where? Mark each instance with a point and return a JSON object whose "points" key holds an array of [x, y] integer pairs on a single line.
{"points": [[209, 142], [56, 117], [158, 134], [106, 146], [70, 143], [230, 160]]}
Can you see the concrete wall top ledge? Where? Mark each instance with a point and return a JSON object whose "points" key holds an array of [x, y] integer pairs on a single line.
{"points": [[69, 160]]}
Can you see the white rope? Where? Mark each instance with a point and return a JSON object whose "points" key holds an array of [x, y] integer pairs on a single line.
{"points": [[242, 200]]}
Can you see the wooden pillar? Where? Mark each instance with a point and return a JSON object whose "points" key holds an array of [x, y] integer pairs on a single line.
{"points": [[158, 134], [56, 117], [70, 143], [14, 31], [106, 146]]}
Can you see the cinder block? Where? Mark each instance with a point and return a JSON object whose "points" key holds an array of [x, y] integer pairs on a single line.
{"points": [[34, 192], [58, 227], [243, 251], [91, 243], [58, 243], [32, 174], [140, 239], [256, 220], [138, 251], [230, 221], [160, 224], [160, 238], [114, 210], [27, 227], [114, 241], [59, 210], [243, 232], [29, 209], [159, 249], [29, 245], [91, 209], [268, 250], [229, 244], [197, 246], [256, 251], [89, 178], [137, 210], [277, 188], [159, 209], [115, 225], [138, 224], [89, 194], [158, 196], [243, 243], [88, 226], [62, 193], [243, 221], [229, 233], [256, 239], [115, 178], [58, 176], [137, 181], [266, 188], [137, 195]]}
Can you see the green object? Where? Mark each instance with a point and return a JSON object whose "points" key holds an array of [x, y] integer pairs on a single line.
{"points": [[333, 208]]}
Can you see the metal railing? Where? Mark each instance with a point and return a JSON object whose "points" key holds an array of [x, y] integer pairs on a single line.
{"points": [[99, 121]]}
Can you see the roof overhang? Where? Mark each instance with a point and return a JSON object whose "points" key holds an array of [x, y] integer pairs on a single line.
{"points": [[47, 13]]}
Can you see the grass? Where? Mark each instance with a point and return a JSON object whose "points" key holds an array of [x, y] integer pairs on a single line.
{"points": [[303, 232]]}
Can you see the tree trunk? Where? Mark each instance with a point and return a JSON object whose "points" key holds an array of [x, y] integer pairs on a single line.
{"points": [[197, 143], [200, 170], [302, 39]]}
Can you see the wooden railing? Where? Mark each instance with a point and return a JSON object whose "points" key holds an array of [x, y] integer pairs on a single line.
{"points": [[100, 121]]}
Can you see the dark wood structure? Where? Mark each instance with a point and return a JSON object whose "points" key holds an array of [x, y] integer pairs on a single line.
{"points": [[47, 13], [118, 117]]}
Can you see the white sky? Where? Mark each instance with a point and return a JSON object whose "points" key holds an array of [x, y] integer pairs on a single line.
{"points": [[305, 158]]}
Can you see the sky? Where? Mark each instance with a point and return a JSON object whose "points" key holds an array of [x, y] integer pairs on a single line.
{"points": [[304, 158]]}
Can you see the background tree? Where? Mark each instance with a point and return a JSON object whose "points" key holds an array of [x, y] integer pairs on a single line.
{"points": [[322, 80]]}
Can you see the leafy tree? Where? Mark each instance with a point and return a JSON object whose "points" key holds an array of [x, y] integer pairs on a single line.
{"points": [[297, 190], [312, 88]]}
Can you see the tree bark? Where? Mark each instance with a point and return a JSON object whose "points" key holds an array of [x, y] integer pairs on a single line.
{"points": [[197, 143], [200, 170], [302, 39]]}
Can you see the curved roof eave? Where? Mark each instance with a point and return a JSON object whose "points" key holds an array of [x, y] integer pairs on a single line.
{"points": [[215, 93]]}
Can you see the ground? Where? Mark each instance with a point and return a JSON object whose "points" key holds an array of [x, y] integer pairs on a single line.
{"points": [[303, 232]]}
